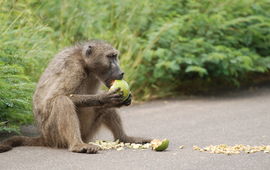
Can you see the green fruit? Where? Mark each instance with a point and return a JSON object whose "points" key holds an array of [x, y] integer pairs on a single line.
{"points": [[123, 85], [160, 145], [163, 146]]}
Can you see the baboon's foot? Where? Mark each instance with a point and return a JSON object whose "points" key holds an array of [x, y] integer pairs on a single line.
{"points": [[138, 140], [84, 148]]}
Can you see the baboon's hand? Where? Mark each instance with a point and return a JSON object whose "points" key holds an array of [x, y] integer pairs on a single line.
{"points": [[112, 98], [127, 102]]}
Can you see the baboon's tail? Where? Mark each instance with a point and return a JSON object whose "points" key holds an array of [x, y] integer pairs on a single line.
{"points": [[8, 144]]}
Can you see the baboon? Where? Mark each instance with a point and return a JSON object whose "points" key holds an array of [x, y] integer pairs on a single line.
{"points": [[68, 105]]}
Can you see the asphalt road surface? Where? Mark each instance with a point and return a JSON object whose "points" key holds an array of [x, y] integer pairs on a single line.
{"points": [[237, 118]]}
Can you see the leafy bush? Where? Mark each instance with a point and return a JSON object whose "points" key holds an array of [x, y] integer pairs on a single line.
{"points": [[23, 56], [211, 38], [15, 97]]}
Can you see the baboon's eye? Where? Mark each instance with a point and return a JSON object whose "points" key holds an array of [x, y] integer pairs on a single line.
{"points": [[112, 55]]}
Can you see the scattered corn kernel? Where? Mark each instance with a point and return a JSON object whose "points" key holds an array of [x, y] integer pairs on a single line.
{"points": [[228, 150], [196, 147], [118, 145], [181, 147], [120, 149]]}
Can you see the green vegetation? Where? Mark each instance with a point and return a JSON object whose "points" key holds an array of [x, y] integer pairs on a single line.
{"points": [[16, 91], [166, 46], [24, 53]]}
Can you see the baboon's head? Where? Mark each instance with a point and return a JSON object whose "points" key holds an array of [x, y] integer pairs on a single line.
{"points": [[102, 60]]}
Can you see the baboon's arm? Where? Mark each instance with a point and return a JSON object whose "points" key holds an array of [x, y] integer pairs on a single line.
{"points": [[104, 100]]}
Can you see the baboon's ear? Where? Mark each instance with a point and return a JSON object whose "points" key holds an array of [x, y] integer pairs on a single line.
{"points": [[88, 51]]}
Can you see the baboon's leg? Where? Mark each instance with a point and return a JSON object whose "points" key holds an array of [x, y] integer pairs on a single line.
{"points": [[65, 121], [113, 121], [90, 121]]}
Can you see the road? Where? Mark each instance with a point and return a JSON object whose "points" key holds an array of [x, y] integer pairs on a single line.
{"points": [[235, 118]]}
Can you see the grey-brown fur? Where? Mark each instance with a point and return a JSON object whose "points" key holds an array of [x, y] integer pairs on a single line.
{"points": [[68, 106]]}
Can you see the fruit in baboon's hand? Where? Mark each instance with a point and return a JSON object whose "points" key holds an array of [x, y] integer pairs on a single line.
{"points": [[123, 85]]}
